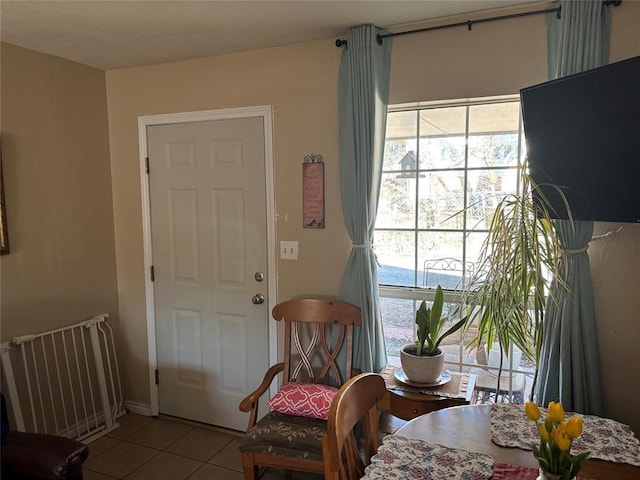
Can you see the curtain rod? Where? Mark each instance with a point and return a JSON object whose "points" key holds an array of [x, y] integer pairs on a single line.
{"points": [[470, 23]]}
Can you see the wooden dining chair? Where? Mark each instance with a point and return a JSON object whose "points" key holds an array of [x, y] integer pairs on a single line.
{"points": [[356, 403], [317, 360]]}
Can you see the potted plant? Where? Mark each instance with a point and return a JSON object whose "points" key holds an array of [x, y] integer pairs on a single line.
{"points": [[506, 297], [423, 361]]}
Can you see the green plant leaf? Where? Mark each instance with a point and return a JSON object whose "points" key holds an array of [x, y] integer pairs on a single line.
{"points": [[578, 462], [422, 321], [457, 326], [430, 324], [436, 320]]}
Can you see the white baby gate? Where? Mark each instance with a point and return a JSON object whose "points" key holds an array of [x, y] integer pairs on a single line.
{"points": [[64, 382]]}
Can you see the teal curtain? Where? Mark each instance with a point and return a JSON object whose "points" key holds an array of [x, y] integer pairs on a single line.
{"points": [[570, 360], [363, 95]]}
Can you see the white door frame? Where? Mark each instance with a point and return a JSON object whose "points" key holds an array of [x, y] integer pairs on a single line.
{"points": [[264, 111]]}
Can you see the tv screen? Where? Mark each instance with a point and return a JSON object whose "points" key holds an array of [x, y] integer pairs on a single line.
{"points": [[583, 135]]}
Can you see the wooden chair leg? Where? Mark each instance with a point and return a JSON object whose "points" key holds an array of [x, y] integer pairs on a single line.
{"points": [[249, 467]]}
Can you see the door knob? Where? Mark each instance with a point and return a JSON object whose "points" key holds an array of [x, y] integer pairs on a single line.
{"points": [[257, 299]]}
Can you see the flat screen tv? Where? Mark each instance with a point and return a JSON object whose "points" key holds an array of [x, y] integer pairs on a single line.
{"points": [[583, 135]]}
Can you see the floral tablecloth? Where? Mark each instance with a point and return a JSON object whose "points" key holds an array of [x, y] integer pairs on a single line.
{"points": [[606, 439], [411, 459]]}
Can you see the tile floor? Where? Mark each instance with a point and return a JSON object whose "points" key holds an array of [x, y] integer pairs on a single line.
{"points": [[167, 448]]}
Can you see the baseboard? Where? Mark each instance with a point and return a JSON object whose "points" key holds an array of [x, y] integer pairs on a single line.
{"points": [[138, 408]]}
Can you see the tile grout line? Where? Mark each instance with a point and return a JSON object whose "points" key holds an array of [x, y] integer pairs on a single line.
{"points": [[130, 431]]}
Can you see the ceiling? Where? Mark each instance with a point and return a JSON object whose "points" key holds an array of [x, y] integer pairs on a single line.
{"points": [[124, 33]]}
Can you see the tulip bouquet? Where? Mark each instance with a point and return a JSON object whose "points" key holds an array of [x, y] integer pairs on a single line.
{"points": [[556, 436]]}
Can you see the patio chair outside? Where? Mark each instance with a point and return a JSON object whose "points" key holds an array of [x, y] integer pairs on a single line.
{"points": [[447, 272]]}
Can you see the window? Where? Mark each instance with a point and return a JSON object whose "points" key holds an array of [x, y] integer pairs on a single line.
{"points": [[446, 166]]}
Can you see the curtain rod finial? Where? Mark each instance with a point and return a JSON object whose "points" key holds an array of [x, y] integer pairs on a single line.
{"points": [[341, 43]]}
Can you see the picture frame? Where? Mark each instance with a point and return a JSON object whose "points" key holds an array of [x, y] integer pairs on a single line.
{"points": [[313, 192]]}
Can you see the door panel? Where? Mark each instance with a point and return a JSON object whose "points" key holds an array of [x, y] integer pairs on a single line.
{"points": [[209, 237]]}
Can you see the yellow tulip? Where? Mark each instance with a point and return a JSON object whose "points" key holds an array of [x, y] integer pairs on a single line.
{"points": [[548, 425], [574, 427], [556, 439], [531, 409], [561, 439], [555, 412], [562, 428], [544, 435]]}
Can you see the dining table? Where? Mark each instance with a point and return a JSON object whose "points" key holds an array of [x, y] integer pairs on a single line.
{"points": [[468, 428]]}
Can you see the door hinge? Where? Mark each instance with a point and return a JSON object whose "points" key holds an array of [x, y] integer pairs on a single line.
{"points": [[147, 164], [153, 273], [157, 377]]}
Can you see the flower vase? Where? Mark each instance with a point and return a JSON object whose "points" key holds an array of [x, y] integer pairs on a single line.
{"points": [[549, 476]]}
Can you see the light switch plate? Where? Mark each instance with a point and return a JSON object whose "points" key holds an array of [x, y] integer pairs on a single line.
{"points": [[288, 250]]}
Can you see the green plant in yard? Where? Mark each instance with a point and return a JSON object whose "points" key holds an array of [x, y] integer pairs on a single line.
{"points": [[430, 324]]}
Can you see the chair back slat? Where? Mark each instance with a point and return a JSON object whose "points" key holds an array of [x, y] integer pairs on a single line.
{"points": [[318, 343], [331, 365], [304, 353]]}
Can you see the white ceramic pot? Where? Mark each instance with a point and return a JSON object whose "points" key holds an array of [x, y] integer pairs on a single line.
{"points": [[542, 476], [424, 369]]}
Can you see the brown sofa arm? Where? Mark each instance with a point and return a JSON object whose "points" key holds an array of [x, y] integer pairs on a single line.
{"points": [[43, 457]]}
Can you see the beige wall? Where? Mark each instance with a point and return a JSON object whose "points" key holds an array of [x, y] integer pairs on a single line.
{"points": [[55, 155], [492, 59]]}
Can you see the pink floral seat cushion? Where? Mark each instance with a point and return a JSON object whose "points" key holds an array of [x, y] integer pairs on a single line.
{"points": [[304, 399]]}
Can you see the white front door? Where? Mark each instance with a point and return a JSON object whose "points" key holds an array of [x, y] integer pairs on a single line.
{"points": [[209, 242]]}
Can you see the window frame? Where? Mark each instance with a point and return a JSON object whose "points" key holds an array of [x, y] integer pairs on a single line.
{"points": [[399, 291], [418, 293]]}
